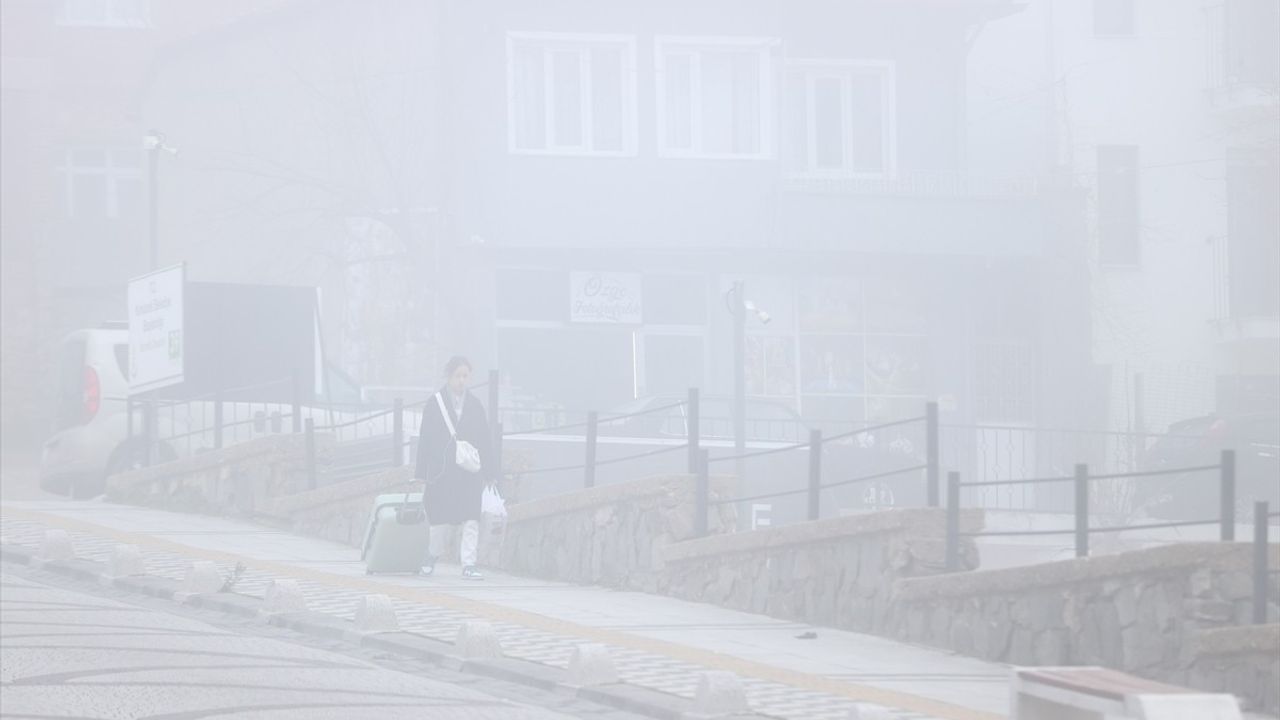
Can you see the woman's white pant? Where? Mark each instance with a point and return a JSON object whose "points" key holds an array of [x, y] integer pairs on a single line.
{"points": [[441, 534]]}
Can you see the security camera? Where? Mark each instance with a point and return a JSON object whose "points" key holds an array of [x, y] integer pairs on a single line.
{"points": [[761, 315]]}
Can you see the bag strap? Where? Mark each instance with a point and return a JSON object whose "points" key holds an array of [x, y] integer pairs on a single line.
{"points": [[445, 414]]}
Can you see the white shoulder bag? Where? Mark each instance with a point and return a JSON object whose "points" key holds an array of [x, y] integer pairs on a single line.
{"points": [[466, 455]]}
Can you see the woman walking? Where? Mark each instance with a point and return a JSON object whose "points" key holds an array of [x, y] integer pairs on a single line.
{"points": [[455, 461]]}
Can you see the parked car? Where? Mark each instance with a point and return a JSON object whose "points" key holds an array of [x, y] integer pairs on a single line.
{"points": [[90, 420], [1199, 441], [91, 439], [766, 420]]}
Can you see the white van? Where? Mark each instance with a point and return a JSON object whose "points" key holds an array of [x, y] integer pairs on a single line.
{"points": [[91, 418], [91, 439]]}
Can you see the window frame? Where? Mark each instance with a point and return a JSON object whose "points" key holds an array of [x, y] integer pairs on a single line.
{"points": [[582, 44], [697, 45], [111, 173], [844, 70], [110, 16]]}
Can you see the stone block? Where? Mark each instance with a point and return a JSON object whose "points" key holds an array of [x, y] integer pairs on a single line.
{"points": [[376, 614], [477, 640], [591, 665], [1126, 602], [202, 577], [55, 545], [282, 596], [125, 560], [1051, 647], [1235, 585], [719, 693], [1212, 611]]}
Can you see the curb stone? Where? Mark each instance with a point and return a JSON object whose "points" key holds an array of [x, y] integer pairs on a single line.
{"points": [[627, 698]]}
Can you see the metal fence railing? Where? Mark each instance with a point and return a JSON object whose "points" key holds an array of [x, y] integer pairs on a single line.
{"points": [[1081, 482]]}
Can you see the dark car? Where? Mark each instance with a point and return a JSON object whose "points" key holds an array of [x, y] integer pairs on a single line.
{"points": [[1199, 442]]}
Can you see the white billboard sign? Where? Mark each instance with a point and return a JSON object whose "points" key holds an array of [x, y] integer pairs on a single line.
{"points": [[155, 330], [602, 297]]}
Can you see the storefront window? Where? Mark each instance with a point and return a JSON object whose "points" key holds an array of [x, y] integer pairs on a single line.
{"points": [[771, 366], [864, 353]]}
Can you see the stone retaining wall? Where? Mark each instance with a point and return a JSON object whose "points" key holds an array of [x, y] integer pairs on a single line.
{"points": [[609, 535], [1244, 661], [338, 512], [239, 479], [1140, 612], [838, 572]]}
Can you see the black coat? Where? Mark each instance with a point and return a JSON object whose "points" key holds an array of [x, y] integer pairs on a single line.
{"points": [[453, 494]]}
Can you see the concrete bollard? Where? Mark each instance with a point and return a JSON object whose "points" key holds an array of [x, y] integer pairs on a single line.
{"points": [[125, 560], [719, 693], [477, 640], [591, 665], [376, 614], [869, 712], [55, 546], [282, 596], [202, 577]]}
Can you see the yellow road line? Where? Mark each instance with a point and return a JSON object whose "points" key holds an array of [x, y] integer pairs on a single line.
{"points": [[502, 613]]}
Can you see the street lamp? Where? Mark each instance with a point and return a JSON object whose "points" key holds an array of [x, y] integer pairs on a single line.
{"points": [[153, 143], [739, 307]]}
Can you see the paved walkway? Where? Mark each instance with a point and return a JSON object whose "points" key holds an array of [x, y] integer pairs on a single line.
{"points": [[657, 642]]}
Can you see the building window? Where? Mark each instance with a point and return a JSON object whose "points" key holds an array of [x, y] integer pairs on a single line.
{"points": [[840, 118], [102, 184], [715, 97], [571, 94], [1113, 18], [105, 13], [1252, 53], [1118, 236], [864, 352], [1253, 233]]}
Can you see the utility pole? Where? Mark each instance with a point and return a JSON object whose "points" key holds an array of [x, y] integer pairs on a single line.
{"points": [[153, 143], [153, 193], [738, 307]]}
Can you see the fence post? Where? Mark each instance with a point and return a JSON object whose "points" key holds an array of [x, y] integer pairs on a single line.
{"points": [[397, 433], [297, 402], [815, 473], [693, 413], [1082, 510], [931, 475], [953, 521], [589, 468], [497, 448], [494, 399], [217, 419], [152, 429], [311, 454], [701, 493], [1227, 508], [1260, 513]]}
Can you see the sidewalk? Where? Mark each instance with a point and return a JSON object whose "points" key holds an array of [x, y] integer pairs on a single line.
{"points": [[657, 642]]}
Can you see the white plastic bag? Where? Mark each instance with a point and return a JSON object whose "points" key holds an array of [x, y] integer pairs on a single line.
{"points": [[467, 457], [492, 504]]}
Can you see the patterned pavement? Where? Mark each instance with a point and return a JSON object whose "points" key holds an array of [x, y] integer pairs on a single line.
{"points": [[645, 669]]}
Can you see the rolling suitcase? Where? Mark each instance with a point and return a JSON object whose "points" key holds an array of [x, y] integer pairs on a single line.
{"points": [[396, 539]]}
